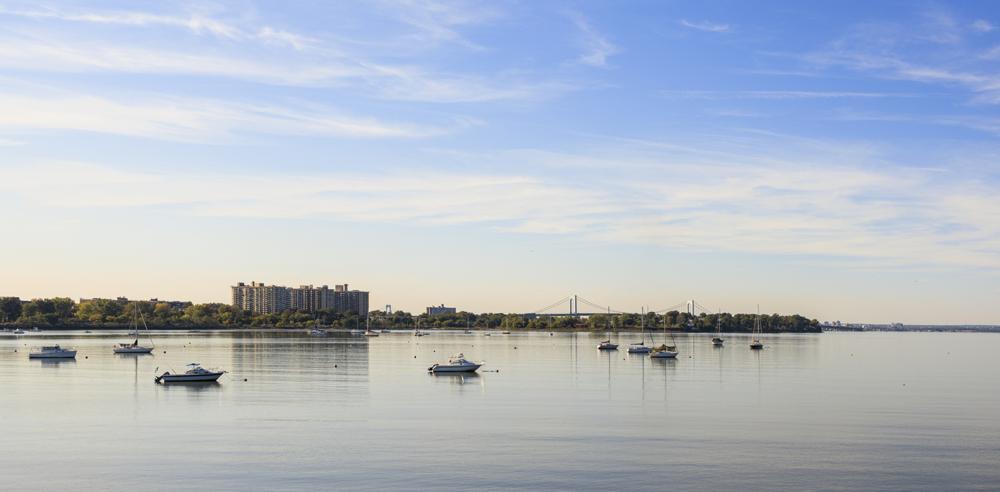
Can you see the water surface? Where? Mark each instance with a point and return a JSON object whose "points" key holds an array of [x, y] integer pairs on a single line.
{"points": [[835, 411]]}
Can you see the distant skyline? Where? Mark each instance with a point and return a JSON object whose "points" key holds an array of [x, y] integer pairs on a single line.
{"points": [[836, 160]]}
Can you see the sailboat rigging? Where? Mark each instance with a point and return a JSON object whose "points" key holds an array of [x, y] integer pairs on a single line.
{"points": [[134, 347]]}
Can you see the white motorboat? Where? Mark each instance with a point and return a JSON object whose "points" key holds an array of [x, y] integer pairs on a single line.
{"points": [[19, 332], [134, 347], [371, 333], [456, 363], [52, 352], [317, 332], [194, 374]]}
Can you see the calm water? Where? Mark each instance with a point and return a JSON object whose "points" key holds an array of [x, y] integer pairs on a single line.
{"points": [[837, 411]]}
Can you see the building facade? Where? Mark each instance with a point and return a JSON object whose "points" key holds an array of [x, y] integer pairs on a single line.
{"points": [[442, 309], [259, 298]]}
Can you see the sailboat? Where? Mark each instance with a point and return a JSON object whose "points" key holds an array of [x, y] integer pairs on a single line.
{"points": [[607, 345], [368, 328], [640, 347], [717, 339], [756, 343], [665, 351], [417, 332], [134, 347]]}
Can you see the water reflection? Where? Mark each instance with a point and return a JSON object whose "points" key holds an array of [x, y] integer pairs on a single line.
{"points": [[56, 362]]}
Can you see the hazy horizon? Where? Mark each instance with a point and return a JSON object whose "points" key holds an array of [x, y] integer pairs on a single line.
{"points": [[838, 161]]}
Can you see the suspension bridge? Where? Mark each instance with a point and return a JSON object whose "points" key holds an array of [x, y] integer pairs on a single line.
{"points": [[570, 306]]}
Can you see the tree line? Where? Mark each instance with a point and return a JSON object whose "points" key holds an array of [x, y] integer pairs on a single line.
{"points": [[96, 313]]}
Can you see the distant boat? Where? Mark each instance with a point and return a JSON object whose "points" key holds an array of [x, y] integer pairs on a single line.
{"points": [[19, 332], [194, 374], [640, 347], [607, 345], [368, 328], [317, 332], [717, 339], [456, 363], [52, 352], [756, 344], [665, 351], [134, 347], [505, 332]]}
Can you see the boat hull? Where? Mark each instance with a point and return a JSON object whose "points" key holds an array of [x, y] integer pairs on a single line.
{"points": [[463, 368], [663, 355], [69, 354], [133, 350], [189, 378], [607, 346]]}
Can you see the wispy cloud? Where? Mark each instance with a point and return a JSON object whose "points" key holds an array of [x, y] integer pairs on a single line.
{"points": [[194, 22], [597, 46], [781, 94], [704, 26], [439, 21], [815, 198], [306, 62], [982, 25], [193, 119]]}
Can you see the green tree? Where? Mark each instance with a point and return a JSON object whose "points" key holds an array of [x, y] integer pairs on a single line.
{"points": [[10, 309]]}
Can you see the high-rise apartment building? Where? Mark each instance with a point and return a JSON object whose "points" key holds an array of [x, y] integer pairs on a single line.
{"points": [[259, 298]]}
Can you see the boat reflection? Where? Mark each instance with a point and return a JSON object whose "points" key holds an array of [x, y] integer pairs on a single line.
{"points": [[56, 362], [456, 377], [192, 386]]}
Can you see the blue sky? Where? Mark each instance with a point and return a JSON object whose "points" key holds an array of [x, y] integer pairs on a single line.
{"points": [[836, 159]]}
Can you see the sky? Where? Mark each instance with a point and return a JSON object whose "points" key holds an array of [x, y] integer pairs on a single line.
{"points": [[834, 159]]}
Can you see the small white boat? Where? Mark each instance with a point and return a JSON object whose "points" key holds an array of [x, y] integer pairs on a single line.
{"points": [[756, 344], [717, 339], [52, 352], [19, 332], [316, 332], [194, 374], [371, 333], [607, 345], [456, 363], [639, 348], [663, 352], [132, 348]]}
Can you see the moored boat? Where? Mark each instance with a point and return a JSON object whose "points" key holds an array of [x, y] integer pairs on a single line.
{"points": [[456, 363], [52, 352], [756, 344], [134, 347], [194, 374]]}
